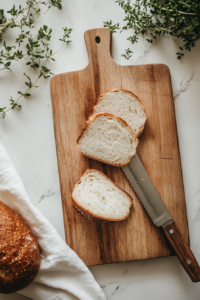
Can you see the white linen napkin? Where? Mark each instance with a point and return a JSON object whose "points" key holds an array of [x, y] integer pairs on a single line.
{"points": [[62, 274]]}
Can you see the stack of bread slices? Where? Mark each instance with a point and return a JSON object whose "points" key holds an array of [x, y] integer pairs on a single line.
{"points": [[110, 136]]}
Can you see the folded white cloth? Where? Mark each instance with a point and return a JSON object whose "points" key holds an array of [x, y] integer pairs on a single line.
{"points": [[62, 274]]}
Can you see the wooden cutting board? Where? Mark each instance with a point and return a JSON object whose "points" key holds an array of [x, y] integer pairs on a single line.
{"points": [[73, 96]]}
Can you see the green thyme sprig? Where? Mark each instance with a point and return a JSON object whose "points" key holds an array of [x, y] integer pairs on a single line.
{"points": [[27, 14], [176, 18], [127, 54], [38, 50], [25, 19], [34, 50]]}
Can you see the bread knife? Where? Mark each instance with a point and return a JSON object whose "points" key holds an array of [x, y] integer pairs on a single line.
{"points": [[150, 199]]}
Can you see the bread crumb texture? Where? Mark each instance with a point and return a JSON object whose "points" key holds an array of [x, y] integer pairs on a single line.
{"points": [[109, 139], [123, 104], [19, 252], [96, 195]]}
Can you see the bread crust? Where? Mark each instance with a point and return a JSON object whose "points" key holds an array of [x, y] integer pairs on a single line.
{"points": [[122, 121], [19, 252], [88, 214], [98, 100]]}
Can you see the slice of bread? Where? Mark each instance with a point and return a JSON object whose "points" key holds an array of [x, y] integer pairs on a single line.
{"points": [[109, 139], [123, 104], [97, 198]]}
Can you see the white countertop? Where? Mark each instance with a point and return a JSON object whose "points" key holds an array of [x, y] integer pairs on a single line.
{"points": [[28, 137]]}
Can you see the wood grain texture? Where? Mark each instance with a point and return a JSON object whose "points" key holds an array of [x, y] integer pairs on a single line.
{"points": [[73, 96], [182, 250]]}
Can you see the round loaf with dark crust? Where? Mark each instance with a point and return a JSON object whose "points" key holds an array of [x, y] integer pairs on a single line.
{"points": [[19, 252]]}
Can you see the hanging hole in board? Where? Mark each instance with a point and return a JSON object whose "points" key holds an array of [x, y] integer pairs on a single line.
{"points": [[97, 39]]}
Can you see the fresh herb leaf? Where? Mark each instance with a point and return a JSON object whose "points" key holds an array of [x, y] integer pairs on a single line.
{"points": [[177, 18], [35, 50]]}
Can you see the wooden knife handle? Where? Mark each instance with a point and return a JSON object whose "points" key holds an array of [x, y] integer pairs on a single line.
{"points": [[182, 250]]}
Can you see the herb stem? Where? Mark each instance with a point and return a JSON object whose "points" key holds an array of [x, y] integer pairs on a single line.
{"points": [[180, 12], [58, 50], [23, 94], [28, 9], [36, 9], [153, 15], [13, 19], [43, 14], [163, 29], [36, 50]]}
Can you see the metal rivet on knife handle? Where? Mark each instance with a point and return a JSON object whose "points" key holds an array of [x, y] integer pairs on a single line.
{"points": [[149, 197], [182, 250]]}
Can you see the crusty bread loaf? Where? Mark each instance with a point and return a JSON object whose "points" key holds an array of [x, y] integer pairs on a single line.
{"points": [[109, 139], [97, 198], [19, 252], [123, 104]]}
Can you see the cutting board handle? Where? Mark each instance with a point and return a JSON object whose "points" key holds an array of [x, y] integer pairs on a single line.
{"points": [[98, 43]]}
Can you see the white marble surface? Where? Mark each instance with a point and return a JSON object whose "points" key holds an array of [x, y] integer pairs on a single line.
{"points": [[28, 136]]}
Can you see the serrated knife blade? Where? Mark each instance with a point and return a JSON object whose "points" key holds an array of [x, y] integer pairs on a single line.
{"points": [[146, 192], [149, 197]]}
